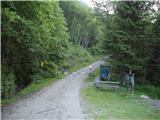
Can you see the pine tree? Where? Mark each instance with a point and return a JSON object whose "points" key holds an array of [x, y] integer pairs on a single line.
{"points": [[126, 38]]}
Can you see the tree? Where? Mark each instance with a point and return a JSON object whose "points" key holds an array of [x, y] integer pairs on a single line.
{"points": [[83, 26], [127, 32], [34, 40], [153, 67]]}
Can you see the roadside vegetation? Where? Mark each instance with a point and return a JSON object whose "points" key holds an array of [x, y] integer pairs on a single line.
{"points": [[132, 39], [41, 41], [38, 46], [100, 104], [36, 86]]}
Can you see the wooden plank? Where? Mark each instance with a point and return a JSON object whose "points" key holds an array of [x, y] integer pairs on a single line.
{"points": [[108, 82], [114, 86]]}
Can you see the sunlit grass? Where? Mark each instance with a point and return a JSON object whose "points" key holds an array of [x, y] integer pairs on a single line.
{"points": [[112, 106]]}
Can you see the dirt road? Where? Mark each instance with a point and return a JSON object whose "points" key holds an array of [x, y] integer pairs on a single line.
{"points": [[60, 101]]}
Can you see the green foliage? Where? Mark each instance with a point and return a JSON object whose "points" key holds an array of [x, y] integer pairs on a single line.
{"points": [[93, 75], [8, 83], [107, 105], [153, 68], [128, 39], [35, 42], [150, 90], [15, 43], [76, 55], [133, 39], [84, 28]]}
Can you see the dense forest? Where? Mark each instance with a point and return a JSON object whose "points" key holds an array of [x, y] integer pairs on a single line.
{"points": [[133, 38], [46, 38]]}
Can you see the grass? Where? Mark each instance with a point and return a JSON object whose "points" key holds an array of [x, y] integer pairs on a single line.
{"points": [[149, 90], [34, 87], [109, 105]]}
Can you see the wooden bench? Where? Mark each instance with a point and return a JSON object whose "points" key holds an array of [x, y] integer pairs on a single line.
{"points": [[108, 84]]}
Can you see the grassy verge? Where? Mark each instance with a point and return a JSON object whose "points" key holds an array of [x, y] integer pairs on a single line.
{"points": [[149, 90], [108, 105], [34, 87]]}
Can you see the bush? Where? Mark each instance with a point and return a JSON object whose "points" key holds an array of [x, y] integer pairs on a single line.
{"points": [[151, 91], [50, 68], [8, 84], [93, 75], [36, 78]]}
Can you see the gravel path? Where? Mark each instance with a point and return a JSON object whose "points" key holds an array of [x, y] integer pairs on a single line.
{"points": [[59, 101]]}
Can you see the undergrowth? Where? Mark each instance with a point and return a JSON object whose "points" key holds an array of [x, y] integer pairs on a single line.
{"points": [[78, 59]]}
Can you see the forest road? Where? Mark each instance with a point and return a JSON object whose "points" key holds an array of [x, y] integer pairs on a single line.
{"points": [[59, 101]]}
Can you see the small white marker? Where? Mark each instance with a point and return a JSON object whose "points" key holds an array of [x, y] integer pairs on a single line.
{"points": [[90, 67]]}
